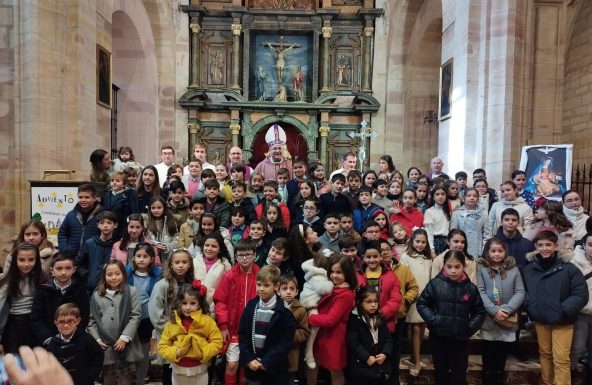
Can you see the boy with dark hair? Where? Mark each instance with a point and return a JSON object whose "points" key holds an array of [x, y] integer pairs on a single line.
{"points": [[190, 227], [177, 202], [293, 185], [365, 209], [374, 273], [348, 246], [331, 236], [266, 332], [380, 192], [461, 181], [96, 251], [80, 223], [270, 192], [346, 223], [215, 203], [256, 233], [278, 255], [238, 229], [354, 181], [516, 245], [283, 175], [239, 191], [74, 348], [334, 201], [288, 291], [59, 289], [556, 292], [236, 287]]}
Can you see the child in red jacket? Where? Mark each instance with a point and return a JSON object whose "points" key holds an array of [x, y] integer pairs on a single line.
{"points": [[236, 288], [407, 214], [373, 273], [330, 348]]}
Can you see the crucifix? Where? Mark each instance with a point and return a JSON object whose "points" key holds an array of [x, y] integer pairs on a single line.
{"points": [[363, 134], [281, 48]]}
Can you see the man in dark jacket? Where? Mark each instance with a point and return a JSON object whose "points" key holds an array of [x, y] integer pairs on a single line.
{"points": [[556, 291]]}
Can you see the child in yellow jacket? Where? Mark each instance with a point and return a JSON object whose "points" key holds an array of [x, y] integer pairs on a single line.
{"points": [[191, 338]]}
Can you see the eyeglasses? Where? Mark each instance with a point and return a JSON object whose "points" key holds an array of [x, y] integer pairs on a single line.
{"points": [[69, 322], [309, 208], [244, 256]]}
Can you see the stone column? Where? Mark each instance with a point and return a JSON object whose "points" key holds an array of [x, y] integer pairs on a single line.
{"points": [[194, 81], [236, 32], [368, 36], [193, 129], [235, 130], [327, 31], [324, 133]]}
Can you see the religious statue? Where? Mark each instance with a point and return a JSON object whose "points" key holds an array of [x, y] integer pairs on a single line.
{"points": [[261, 78], [344, 70], [298, 84], [216, 67], [281, 51], [282, 94]]}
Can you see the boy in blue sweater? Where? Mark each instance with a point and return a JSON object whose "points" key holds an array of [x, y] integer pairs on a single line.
{"points": [[266, 332], [80, 223], [365, 209], [96, 251]]}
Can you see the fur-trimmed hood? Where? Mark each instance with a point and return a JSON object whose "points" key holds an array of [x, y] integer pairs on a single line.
{"points": [[508, 263]]}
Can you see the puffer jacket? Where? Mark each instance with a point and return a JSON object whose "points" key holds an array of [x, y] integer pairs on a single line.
{"points": [[451, 309], [585, 267], [73, 232], [554, 296], [235, 290]]}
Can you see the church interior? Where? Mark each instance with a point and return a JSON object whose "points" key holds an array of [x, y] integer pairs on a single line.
{"points": [[184, 71]]}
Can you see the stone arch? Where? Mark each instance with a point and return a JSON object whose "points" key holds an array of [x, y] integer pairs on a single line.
{"points": [[134, 71], [422, 71], [260, 126], [577, 89], [413, 29]]}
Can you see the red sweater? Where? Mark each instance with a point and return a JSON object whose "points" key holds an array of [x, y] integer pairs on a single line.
{"points": [[409, 219], [330, 346], [284, 209]]}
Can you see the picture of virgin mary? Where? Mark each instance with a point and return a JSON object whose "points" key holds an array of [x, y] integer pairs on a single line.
{"points": [[544, 181]]}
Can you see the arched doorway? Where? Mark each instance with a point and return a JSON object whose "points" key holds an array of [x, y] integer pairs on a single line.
{"points": [[135, 73], [296, 141]]}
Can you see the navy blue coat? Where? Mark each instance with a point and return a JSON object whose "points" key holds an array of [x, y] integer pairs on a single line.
{"points": [[73, 232], [91, 259], [278, 343], [517, 247], [554, 296], [337, 204], [46, 302]]}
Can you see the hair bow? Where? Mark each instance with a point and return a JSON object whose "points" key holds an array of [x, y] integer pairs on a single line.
{"points": [[201, 288], [275, 202], [327, 253]]}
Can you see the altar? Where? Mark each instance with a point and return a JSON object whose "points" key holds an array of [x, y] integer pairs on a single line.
{"points": [[303, 64]]}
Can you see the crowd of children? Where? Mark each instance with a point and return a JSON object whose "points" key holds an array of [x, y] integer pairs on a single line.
{"points": [[278, 278]]}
